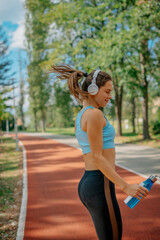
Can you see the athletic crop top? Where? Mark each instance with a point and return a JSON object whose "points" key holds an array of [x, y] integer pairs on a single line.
{"points": [[108, 134]]}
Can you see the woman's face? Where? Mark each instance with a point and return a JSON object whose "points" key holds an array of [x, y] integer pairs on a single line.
{"points": [[104, 94]]}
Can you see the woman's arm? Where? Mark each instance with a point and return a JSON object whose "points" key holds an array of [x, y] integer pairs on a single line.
{"points": [[95, 123]]}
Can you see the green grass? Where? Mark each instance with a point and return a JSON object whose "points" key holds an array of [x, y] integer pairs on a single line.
{"points": [[59, 131], [10, 164], [138, 139], [127, 136]]}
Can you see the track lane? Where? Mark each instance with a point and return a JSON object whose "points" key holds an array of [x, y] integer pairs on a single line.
{"points": [[54, 210]]}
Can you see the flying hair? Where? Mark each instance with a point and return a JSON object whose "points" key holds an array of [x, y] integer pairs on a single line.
{"points": [[65, 72], [74, 78]]}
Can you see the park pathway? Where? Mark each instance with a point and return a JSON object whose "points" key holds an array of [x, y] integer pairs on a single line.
{"points": [[54, 211]]}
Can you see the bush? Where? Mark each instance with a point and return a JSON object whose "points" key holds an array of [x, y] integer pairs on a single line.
{"points": [[156, 127], [20, 128]]}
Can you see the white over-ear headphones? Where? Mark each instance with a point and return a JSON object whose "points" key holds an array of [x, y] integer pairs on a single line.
{"points": [[93, 88]]}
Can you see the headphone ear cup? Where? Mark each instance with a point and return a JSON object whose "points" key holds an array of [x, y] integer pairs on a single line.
{"points": [[93, 89]]}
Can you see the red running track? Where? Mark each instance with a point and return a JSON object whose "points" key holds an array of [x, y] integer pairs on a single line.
{"points": [[54, 210]]}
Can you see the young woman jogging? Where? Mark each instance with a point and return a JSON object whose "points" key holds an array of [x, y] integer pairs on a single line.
{"points": [[96, 136]]}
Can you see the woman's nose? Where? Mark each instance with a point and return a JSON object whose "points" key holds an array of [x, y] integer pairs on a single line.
{"points": [[110, 96]]}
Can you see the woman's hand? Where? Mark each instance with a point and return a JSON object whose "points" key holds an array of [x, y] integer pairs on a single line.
{"points": [[136, 190]]}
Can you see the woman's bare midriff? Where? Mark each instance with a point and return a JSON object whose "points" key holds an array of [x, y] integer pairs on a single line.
{"points": [[109, 154]]}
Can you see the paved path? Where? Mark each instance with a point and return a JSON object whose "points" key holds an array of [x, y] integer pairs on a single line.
{"points": [[138, 158], [54, 211]]}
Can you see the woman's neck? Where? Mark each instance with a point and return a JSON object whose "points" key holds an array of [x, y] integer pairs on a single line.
{"points": [[90, 102]]}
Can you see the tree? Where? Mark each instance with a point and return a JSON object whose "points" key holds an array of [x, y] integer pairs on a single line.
{"points": [[36, 35], [114, 36], [22, 93], [144, 30], [125, 50], [89, 35], [5, 77], [62, 106]]}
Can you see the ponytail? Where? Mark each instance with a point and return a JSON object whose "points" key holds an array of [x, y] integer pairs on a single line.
{"points": [[73, 76]]}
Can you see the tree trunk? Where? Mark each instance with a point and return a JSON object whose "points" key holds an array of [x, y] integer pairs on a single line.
{"points": [[22, 114], [21, 92], [145, 96], [145, 114], [118, 108], [43, 120], [35, 120], [133, 114], [137, 115], [1, 131]]}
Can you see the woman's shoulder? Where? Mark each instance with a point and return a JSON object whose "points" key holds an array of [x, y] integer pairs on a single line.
{"points": [[95, 116], [95, 112]]}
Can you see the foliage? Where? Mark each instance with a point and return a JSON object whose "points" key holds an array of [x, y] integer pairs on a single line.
{"points": [[4, 60], [156, 127], [5, 77], [36, 35], [120, 37], [62, 107]]}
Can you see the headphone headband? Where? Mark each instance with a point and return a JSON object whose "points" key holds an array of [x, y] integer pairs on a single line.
{"points": [[95, 76], [93, 88]]}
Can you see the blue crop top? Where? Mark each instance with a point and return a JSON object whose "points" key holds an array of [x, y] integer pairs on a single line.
{"points": [[108, 134]]}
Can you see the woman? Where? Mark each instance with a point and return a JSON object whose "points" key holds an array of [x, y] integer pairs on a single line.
{"points": [[96, 135]]}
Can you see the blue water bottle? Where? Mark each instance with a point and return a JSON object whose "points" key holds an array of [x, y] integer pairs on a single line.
{"points": [[132, 201]]}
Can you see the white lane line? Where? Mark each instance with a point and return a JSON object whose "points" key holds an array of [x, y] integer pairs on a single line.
{"points": [[128, 169], [121, 166], [137, 173], [117, 164], [22, 217]]}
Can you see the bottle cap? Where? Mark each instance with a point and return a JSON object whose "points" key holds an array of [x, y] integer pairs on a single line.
{"points": [[153, 178]]}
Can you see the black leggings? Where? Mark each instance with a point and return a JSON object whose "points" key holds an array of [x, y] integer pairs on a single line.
{"points": [[97, 193]]}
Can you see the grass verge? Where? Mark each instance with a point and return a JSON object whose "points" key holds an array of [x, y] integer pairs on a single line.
{"points": [[10, 188], [127, 137], [138, 139]]}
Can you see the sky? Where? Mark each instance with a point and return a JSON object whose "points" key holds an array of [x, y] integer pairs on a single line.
{"points": [[12, 18]]}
